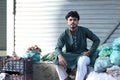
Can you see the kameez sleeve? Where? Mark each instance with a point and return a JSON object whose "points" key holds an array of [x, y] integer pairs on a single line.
{"points": [[95, 40], [60, 45]]}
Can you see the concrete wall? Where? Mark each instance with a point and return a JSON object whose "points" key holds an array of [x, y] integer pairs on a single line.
{"points": [[2, 53]]}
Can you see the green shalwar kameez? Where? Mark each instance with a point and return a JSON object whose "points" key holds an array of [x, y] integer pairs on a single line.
{"points": [[75, 45]]}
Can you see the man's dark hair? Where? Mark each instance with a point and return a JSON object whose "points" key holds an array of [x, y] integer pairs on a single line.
{"points": [[72, 14]]}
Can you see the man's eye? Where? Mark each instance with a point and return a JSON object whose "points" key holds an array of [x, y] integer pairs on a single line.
{"points": [[75, 19], [70, 20]]}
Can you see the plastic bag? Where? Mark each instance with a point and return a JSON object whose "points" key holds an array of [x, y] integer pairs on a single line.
{"points": [[115, 58], [35, 56], [116, 44], [99, 76], [101, 64], [33, 52], [106, 51], [49, 57]]}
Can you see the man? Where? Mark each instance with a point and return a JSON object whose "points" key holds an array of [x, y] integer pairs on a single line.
{"points": [[74, 38]]}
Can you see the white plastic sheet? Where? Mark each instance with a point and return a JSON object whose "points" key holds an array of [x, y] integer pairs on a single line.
{"points": [[99, 76]]}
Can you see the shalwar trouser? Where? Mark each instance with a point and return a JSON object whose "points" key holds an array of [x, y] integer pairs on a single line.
{"points": [[81, 72]]}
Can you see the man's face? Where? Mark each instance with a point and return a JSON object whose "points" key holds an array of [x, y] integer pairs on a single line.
{"points": [[72, 22]]}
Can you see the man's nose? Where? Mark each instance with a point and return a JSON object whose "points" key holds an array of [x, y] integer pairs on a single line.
{"points": [[72, 20]]}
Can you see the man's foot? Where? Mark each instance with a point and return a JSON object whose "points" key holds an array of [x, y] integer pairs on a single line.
{"points": [[68, 78]]}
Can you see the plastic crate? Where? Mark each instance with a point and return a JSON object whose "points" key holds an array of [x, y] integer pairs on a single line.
{"points": [[20, 69]]}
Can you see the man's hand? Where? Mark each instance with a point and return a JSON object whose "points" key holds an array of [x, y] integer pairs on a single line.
{"points": [[87, 53], [61, 60]]}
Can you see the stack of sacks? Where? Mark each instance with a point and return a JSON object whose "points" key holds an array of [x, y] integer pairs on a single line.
{"points": [[115, 56], [109, 55], [103, 61]]}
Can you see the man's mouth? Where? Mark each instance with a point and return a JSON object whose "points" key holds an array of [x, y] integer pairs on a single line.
{"points": [[73, 27]]}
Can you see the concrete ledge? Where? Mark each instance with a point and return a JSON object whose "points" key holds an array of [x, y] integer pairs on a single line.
{"points": [[44, 71]]}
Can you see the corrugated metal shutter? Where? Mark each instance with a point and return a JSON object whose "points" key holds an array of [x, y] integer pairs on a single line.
{"points": [[2, 24], [115, 35], [41, 21]]}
